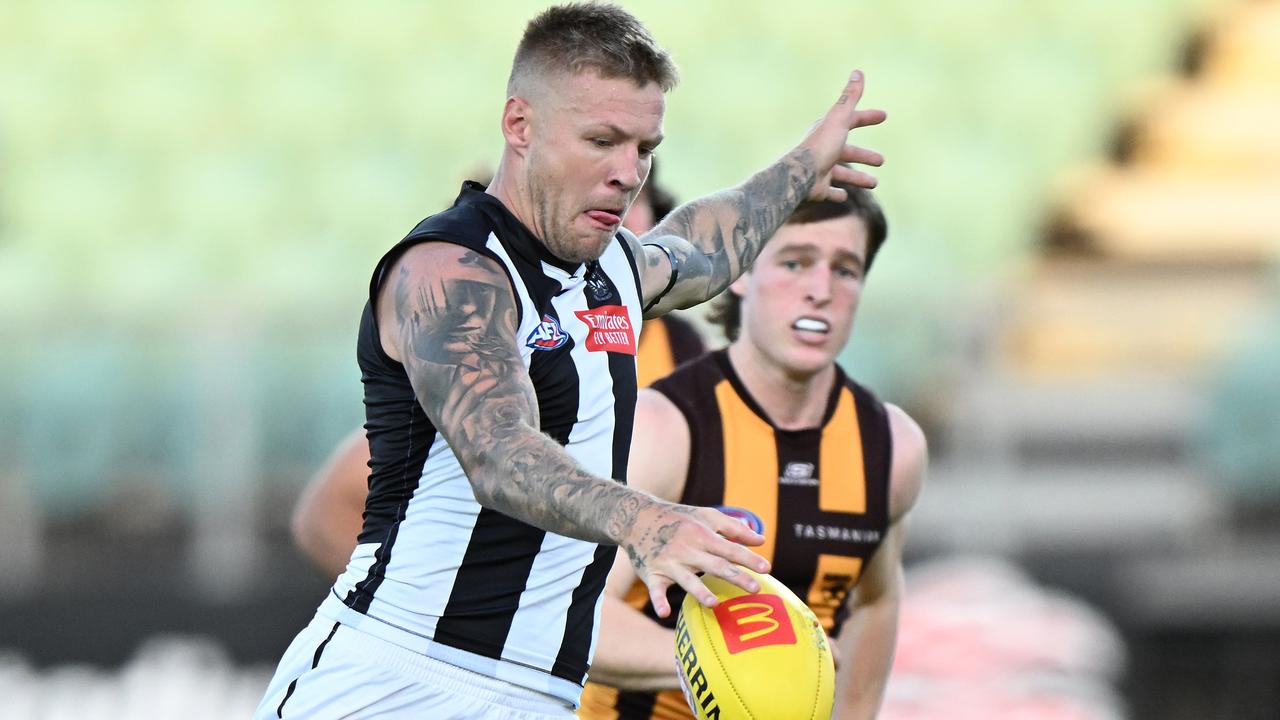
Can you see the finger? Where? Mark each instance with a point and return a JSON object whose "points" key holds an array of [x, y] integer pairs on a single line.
{"points": [[852, 93], [693, 585], [863, 118], [734, 529], [658, 595], [730, 572], [861, 155], [738, 555], [851, 177]]}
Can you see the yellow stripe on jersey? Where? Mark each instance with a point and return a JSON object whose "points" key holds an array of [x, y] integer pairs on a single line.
{"points": [[835, 575], [842, 457], [751, 460], [654, 358]]}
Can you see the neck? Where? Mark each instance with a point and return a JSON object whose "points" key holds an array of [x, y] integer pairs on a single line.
{"points": [[507, 187], [793, 401]]}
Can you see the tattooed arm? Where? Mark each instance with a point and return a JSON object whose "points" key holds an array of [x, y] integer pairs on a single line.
{"points": [[714, 239], [449, 316]]}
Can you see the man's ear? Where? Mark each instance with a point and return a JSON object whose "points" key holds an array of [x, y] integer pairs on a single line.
{"points": [[517, 115]]}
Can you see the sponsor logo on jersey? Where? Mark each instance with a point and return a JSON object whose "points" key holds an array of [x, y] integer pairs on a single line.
{"points": [[548, 335], [693, 681], [751, 621], [608, 329], [743, 515], [798, 473], [836, 532]]}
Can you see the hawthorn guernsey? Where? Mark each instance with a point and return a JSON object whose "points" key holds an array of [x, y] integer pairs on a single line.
{"points": [[754, 655]]}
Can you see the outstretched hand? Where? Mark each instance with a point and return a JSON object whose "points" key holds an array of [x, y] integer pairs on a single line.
{"points": [[673, 544], [828, 142]]}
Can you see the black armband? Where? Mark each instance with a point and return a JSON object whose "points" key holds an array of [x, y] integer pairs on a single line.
{"points": [[675, 275]]}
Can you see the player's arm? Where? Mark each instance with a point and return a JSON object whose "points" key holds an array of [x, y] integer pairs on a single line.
{"points": [[702, 246], [634, 652], [330, 512], [448, 314], [868, 637]]}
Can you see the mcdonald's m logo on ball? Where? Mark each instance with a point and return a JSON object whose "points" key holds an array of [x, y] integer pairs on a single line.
{"points": [[752, 621]]}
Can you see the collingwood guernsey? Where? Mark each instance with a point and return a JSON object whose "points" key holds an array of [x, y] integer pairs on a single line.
{"points": [[435, 572]]}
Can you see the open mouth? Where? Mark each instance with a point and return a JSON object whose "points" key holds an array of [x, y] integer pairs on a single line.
{"points": [[812, 325]]}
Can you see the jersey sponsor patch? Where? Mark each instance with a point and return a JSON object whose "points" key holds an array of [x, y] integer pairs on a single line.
{"points": [[752, 621], [798, 473], [743, 515], [548, 335], [608, 329], [805, 531]]}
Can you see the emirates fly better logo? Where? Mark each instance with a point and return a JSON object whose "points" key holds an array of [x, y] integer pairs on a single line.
{"points": [[608, 329], [752, 621]]}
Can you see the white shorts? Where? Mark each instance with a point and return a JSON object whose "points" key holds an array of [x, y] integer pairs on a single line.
{"points": [[332, 671]]}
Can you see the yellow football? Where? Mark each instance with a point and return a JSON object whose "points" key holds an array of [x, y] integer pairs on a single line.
{"points": [[754, 656]]}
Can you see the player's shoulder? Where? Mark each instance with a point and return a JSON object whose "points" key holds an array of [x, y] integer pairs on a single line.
{"points": [[657, 410], [699, 374], [910, 460], [465, 223], [909, 447]]}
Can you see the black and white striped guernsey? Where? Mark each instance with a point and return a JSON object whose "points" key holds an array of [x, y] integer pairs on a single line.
{"points": [[434, 571]]}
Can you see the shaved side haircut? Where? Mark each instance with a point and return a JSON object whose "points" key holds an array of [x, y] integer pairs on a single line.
{"points": [[574, 38]]}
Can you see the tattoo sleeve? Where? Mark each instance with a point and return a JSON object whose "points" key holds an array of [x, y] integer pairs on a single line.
{"points": [[716, 238], [455, 320]]}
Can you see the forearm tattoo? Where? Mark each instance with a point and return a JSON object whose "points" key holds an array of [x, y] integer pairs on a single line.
{"points": [[728, 229], [457, 327]]}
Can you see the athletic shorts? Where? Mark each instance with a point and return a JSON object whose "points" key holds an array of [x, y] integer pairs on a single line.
{"points": [[332, 671]]}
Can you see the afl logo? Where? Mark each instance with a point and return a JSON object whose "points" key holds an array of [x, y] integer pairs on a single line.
{"points": [[746, 517], [548, 335]]}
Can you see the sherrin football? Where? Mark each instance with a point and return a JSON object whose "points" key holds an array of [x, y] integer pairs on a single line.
{"points": [[754, 656]]}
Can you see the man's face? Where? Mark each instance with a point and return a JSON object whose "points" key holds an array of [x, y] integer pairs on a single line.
{"points": [[799, 299], [590, 148]]}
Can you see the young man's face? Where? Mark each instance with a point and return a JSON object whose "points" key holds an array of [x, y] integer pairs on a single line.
{"points": [[590, 149], [800, 297]]}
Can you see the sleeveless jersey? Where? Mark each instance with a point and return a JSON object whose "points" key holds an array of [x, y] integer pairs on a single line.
{"points": [[435, 572], [822, 494]]}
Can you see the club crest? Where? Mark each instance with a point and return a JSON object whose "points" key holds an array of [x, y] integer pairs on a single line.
{"points": [[598, 284]]}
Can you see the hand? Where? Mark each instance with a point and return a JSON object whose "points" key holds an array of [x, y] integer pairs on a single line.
{"points": [[671, 544], [828, 142]]}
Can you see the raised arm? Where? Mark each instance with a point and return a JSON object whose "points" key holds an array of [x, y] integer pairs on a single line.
{"points": [[714, 239], [868, 639], [449, 316]]}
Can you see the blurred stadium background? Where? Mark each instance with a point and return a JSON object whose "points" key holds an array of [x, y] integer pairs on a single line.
{"points": [[1079, 300]]}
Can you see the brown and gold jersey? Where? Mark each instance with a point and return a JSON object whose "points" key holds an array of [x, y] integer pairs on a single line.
{"points": [[821, 493], [665, 343]]}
